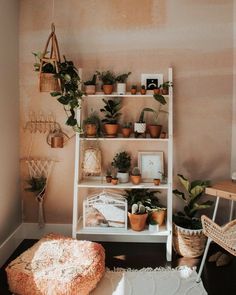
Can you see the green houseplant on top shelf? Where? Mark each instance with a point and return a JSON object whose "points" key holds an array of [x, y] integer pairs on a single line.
{"points": [[188, 237], [111, 111], [121, 83], [108, 79], [122, 162], [70, 96]]}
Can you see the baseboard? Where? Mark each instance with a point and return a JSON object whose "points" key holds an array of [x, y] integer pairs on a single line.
{"points": [[29, 231], [10, 244]]}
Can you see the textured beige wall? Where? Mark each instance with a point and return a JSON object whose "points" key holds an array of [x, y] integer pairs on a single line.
{"points": [[194, 37], [10, 205]]}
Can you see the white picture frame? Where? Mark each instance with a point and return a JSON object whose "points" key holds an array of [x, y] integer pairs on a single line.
{"points": [[151, 80], [151, 165]]}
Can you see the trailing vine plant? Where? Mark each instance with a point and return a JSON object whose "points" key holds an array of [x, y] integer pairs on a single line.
{"points": [[70, 95]]}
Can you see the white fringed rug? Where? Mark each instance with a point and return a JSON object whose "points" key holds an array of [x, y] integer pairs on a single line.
{"points": [[148, 281]]}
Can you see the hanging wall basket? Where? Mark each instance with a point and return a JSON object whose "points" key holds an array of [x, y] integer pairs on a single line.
{"points": [[49, 65]]}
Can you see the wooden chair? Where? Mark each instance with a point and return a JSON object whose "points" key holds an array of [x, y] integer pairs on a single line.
{"points": [[224, 236]]}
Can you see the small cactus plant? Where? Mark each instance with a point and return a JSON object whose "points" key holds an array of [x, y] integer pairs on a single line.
{"points": [[136, 171], [138, 208]]}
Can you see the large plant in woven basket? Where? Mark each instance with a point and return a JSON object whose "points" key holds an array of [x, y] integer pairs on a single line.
{"points": [[188, 237]]}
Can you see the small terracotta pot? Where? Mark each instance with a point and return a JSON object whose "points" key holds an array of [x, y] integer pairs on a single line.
{"points": [[155, 130], [114, 181], [156, 91], [156, 181], [165, 91], [107, 89], [143, 91], [91, 130], [90, 89], [111, 129], [159, 216], [108, 179], [126, 132], [136, 179], [133, 91], [137, 221]]}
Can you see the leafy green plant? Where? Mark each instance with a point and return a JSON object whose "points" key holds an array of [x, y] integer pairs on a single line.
{"points": [[141, 117], [143, 87], [93, 118], [70, 96], [47, 67], [134, 87], [122, 161], [123, 77], [92, 81], [146, 196], [36, 185], [166, 85], [194, 190], [107, 77], [111, 111]]}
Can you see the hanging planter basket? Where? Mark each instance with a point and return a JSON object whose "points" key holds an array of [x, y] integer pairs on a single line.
{"points": [[47, 80]]}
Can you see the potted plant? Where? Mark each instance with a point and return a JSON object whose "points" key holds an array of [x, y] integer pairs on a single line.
{"points": [[114, 178], [156, 181], [165, 87], [122, 161], [153, 225], [92, 125], [90, 85], [133, 89], [126, 129], [135, 175], [143, 90], [158, 213], [108, 175], [157, 90], [112, 114], [48, 82], [188, 237], [108, 79], [70, 95], [37, 185], [121, 83], [140, 126], [147, 198]]}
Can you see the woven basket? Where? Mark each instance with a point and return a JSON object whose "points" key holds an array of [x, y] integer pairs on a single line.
{"points": [[48, 83], [187, 242]]}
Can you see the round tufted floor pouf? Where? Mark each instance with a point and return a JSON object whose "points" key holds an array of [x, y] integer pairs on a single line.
{"points": [[57, 265]]}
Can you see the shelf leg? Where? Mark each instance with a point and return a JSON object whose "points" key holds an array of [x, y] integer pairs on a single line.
{"points": [[169, 247]]}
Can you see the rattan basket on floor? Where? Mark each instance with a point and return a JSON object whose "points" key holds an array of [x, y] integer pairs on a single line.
{"points": [[187, 242]]}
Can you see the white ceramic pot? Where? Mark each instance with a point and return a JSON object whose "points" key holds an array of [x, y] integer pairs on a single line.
{"points": [[123, 177], [140, 127], [121, 88], [153, 227]]}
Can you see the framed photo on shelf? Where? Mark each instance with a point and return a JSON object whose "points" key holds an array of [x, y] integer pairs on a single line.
{"points": [[151, 81], [151, 165]]}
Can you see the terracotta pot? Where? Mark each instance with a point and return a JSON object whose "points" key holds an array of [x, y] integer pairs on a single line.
{"points": [[143, 91], [108, 179], [136, 179], [155, 130], [159, 216], [156, 91], [114, 181], [126, 132], [137, 221], [107, 89], [111, 129], [90, 89], [90, 130], [156, 181], [133, 91], [165, 91]]}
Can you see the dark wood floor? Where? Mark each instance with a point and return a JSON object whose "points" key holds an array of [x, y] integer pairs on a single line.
{"points": [[217, 280]]}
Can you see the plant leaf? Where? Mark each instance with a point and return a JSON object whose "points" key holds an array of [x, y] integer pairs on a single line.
{"points": [[180, 195], [184, 182]]}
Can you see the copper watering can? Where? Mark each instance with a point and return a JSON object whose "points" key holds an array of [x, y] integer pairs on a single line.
{"points": [[57, 138]]}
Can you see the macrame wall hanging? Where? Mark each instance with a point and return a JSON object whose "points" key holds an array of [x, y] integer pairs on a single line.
{"points": [[49, 65]]}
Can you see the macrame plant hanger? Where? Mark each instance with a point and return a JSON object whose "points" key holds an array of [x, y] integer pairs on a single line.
{"points": [[47, 81], [40, 168]]}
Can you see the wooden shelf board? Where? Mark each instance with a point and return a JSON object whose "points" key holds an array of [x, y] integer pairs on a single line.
{"points": [[120, 138], [111, 231], [95, 183]]}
